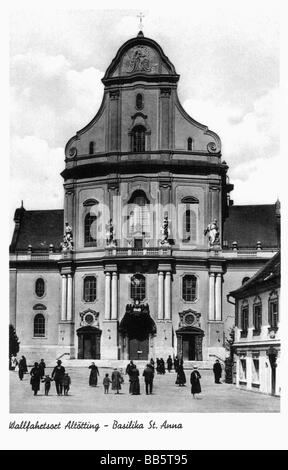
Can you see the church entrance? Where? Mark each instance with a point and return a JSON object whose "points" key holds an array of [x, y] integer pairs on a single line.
{"points": [[189, 343], [138, 349], [88, 342], [136, 328]]}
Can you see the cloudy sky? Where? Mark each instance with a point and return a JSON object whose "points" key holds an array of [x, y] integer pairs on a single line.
{"points": [[227, 56]]}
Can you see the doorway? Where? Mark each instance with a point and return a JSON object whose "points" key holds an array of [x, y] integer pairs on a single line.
{"points": [[188, 347], [189, 343], [89, 343], [138, 349]]}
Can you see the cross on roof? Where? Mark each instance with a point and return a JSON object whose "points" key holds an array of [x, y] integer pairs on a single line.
{"points": [[140, 23]]}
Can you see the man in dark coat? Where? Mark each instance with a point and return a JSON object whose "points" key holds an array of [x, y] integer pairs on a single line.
{"points": [[93, 377], [116, 380], [134, 379], [176, 363], [217, 369], [148, 375], [42, 367], [129, 367], [22, 368], [58, 375]]}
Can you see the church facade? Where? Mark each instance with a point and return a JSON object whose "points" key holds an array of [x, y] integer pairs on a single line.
{"points": [[141, 259]]}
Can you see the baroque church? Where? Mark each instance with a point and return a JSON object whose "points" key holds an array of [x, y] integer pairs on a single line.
{"points": [[140, 261]]}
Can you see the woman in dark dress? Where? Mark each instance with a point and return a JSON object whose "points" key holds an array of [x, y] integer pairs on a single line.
{"points": [[116, 380], [22, 367], [93, 378], [195, 382], [134, 379], [35, 378], [42, 367], [181, 377]]}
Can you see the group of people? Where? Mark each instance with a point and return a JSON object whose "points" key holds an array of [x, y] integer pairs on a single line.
{"points": [[59, 376]]}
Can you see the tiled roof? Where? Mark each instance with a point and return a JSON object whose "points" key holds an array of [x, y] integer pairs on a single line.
{"points": [[38, 228], [249, 224]]}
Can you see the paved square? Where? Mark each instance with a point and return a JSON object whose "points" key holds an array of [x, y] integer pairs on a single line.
{"points": [[167, 396]]}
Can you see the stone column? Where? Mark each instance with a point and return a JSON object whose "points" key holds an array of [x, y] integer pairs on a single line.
{"points": [[64, 297], [69, 297], [218, 297], [107, 295], [114, 297], [168, 295], [211, 296], [160, 295]]}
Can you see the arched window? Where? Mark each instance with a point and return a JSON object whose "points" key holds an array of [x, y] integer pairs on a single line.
{"points": [[139, 101], [190, 219], [40, 287], [89, 289], [138, 287], [39, 325], [91, 148], [90, 230], [138, 139], [189, 288], [139, 214], [257, 315], [189, 143], [273, 313]]}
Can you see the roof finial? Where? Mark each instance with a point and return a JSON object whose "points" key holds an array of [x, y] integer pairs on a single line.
{"points": [[140, 16]]}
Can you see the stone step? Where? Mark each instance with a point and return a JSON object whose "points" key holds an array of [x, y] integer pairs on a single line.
{"points": [[122, 364]]}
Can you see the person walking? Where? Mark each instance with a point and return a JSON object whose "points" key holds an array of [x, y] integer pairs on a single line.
{"points": [[195, 382], [93, 377], [106, 382], [66, 383], [152, 364], [176, 364], [134, 378], [217, 370], [21, 368], [128, 372], [24, 364], [169, 363], [47, 384], [181, 377], [162, 366], [57, 375], [116, 380], [42, 367], [35, 378], [148, 375]]}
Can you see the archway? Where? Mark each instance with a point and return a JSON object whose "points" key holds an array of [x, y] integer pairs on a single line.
{"points": [[189, 343], [89, 342]]}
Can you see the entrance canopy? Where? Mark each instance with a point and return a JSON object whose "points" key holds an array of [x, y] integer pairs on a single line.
{"points": [[137, 322]]}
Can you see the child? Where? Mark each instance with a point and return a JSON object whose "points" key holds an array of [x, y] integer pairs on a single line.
{"points": [[106, 383], [47, 381], [66, 383]]}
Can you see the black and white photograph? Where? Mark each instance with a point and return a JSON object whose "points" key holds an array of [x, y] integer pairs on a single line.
{"points": [[145, 201]]}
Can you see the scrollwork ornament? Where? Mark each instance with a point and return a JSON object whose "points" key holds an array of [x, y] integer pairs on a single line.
{"points": [[211, 147], [72, 152]]}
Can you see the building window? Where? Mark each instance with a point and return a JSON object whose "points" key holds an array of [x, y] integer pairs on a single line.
{"points": [[40, 287], [190, 219], [91, 148], [139, 101], [244, 319], [189, 143], [138, 139], [139, 215], [138, 287], [189, 286], [273, 310], [90, 230], [257, 315], [39, 325], [243, 369], [89, 294]]}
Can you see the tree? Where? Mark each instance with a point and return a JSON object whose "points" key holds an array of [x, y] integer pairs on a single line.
{"points": [[14, 344]]}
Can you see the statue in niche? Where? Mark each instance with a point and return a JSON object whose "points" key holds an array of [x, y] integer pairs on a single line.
{"points": [[110, 234], [67, 243], [165, 231], [213, 233]]}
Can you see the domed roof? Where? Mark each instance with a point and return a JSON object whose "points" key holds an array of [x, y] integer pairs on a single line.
{"points": [[140, 58]]}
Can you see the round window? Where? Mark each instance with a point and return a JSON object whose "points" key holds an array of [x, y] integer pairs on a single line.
{"points": [[189, 319], [89, 318]]}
